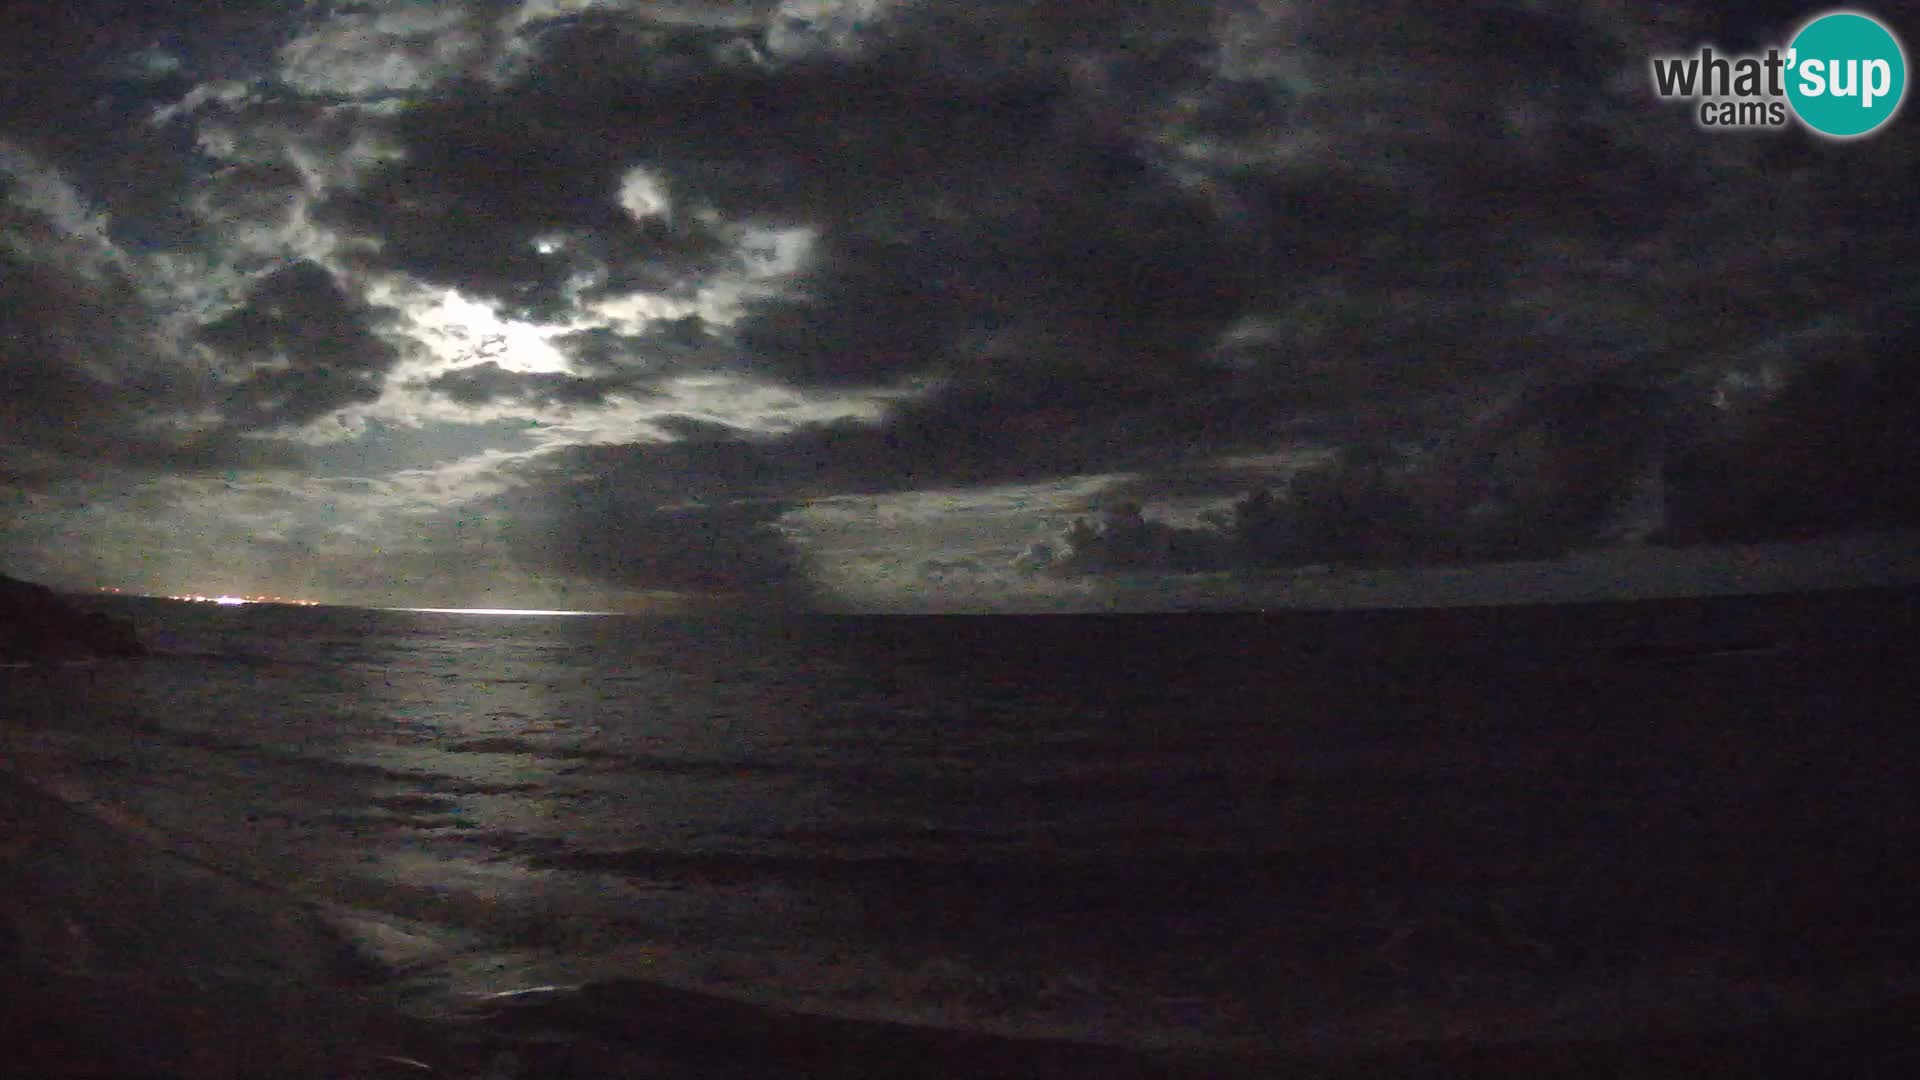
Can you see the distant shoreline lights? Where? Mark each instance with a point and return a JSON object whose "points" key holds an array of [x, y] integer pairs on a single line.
{"points": [[228, 600], [236, 601]]}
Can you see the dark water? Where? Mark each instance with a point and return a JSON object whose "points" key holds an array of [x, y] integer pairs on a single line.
{"points": [[756, 844]]}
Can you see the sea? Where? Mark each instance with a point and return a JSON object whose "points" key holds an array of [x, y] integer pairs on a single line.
{"points": [[323, 841]]}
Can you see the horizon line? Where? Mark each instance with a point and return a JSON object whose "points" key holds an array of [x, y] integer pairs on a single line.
{"points": [[494, 611]]}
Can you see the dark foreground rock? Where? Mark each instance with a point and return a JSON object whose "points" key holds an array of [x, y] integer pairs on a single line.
{"points": [[36, 624]]}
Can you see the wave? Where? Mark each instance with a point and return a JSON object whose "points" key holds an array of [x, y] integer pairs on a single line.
{"points": [[435, 784], [1145, 877], [639, 763], [225, 657], [608, 1028], [507, 744], [633, 1027]]}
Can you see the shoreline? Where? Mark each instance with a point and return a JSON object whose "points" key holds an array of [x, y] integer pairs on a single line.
{"points": [[273, 992]]}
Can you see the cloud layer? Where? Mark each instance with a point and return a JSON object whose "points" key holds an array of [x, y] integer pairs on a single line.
{"points": [[694, 297]]}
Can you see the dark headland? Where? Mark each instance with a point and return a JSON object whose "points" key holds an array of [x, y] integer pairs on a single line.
{"points": [[37, 624]]}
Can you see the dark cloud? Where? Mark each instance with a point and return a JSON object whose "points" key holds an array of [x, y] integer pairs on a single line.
{"points": [[299, 348], [486, 383], [1123, 540], [614, 516], [81, 86], [1549, 473], [1541, 477], [49, 389], [707, 462], [1835, 448], [88, 382], [1102, 280], [731, 549], [667, 346], [793, 142], [516, 201]]}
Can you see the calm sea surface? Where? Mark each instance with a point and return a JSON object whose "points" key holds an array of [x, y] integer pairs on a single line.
{"points": [[1242, 834]]}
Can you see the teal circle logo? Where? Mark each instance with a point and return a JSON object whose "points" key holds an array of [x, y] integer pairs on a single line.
{"points": [[1846, 74]]}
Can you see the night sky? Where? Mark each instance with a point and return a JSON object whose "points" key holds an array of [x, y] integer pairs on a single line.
{"points": [[884, 304]]}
